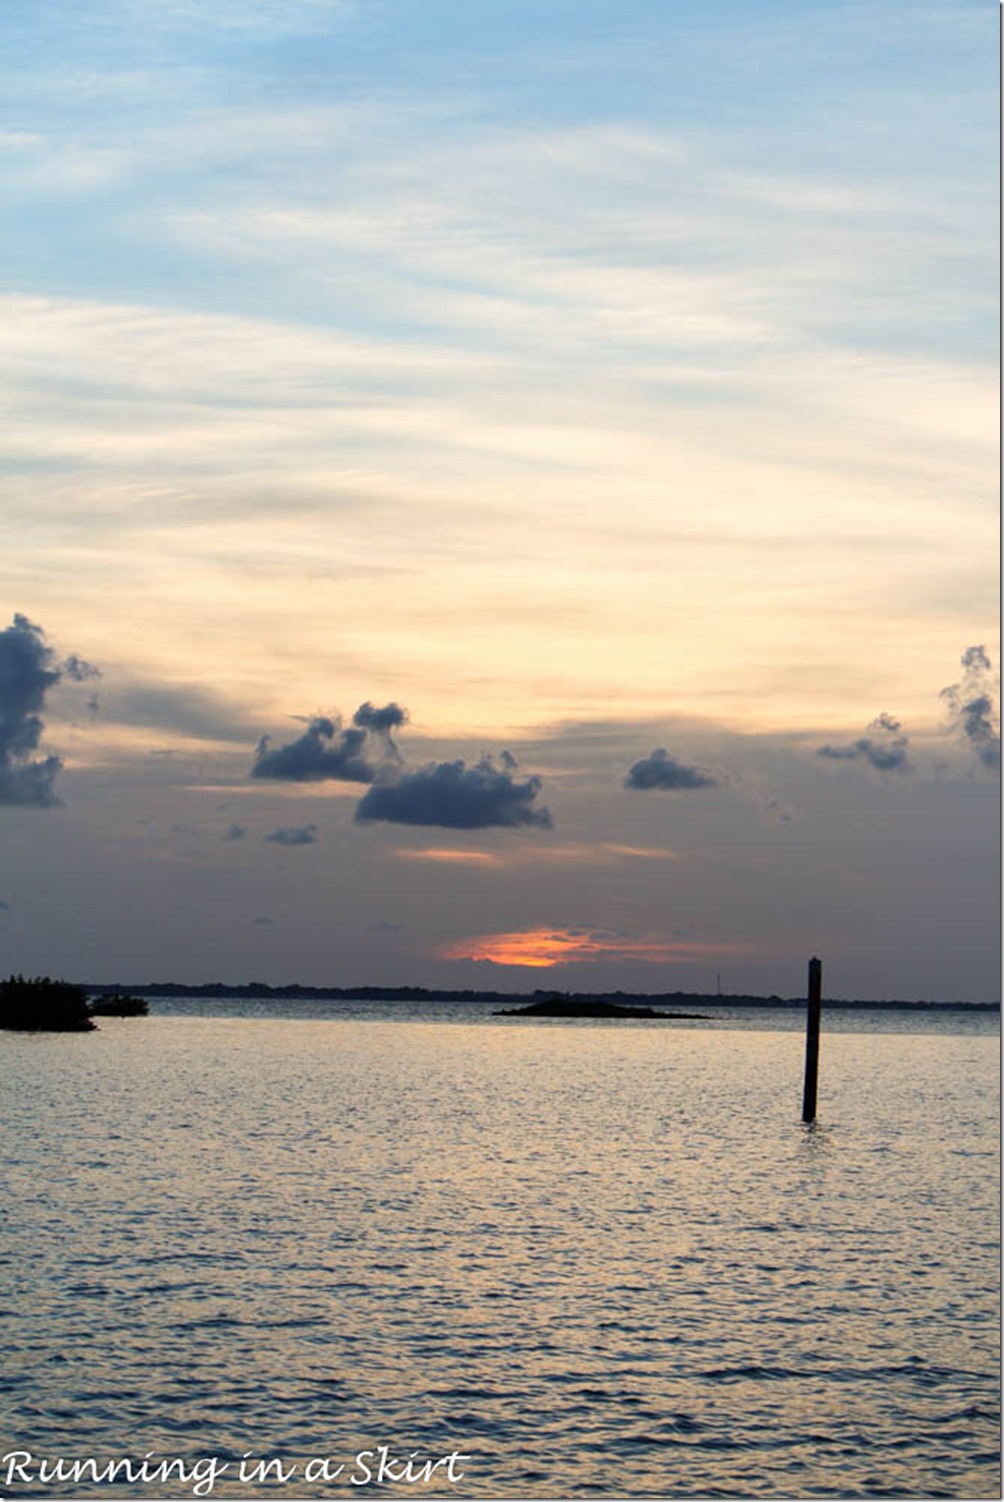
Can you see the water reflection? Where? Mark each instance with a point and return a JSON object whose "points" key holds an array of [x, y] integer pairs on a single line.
{"points": [[591, 1258]]}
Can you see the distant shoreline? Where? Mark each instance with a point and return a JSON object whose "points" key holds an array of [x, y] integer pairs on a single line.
{"points": [[257, 991]]}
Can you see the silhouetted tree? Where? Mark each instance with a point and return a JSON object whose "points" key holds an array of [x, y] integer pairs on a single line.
{"points": [[43, 1005]]}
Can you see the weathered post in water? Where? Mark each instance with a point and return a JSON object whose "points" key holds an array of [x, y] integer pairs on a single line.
{"points": [[812, 1040]]}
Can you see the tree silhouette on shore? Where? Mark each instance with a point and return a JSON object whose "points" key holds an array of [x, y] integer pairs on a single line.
{"points": [[43, 1005]]}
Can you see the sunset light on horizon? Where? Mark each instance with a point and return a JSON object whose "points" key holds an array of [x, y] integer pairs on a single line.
{"points": [[543, 948]]}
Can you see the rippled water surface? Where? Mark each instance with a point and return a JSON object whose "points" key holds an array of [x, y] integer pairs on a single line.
{"points": [[595, 1259]]}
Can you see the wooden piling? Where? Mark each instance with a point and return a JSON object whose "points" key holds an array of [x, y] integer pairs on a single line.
{"points": [[812, 1040]]}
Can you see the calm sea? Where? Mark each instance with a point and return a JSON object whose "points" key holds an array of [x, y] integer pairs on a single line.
{"points": [[592, 1259]]}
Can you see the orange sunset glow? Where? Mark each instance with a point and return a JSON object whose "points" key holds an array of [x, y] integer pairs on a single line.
{"points": [[447, 856], [540, 948], [581, 853]]}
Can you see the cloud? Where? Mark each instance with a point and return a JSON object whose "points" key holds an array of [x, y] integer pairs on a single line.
{"points": [[579, 853], [76, 668], [452, 857], [263, 922], [972, 706], [262, 20], [4, 906], [541, 948], [660, 770], [769, 807], [187, 708], [452, 795], [884, 747], [316, 755], [635, 852], [305, 834], [775, 811], [327, 751], [236, 832], [28, 670], [390, 717]]}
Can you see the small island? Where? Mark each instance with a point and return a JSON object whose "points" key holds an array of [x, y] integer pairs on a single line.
{"points": [[119, 1006], [563, 1006], [41, 1005]]}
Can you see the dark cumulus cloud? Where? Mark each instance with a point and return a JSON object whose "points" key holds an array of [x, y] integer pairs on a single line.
{"points": [[451, 795], [304, 834], [662, 771], [28, 670], [236, 832], [973, 708], [381, 721], [327, 750], [884, 746]]}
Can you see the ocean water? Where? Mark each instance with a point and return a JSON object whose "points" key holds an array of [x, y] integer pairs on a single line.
{"points": [[584, 1260]]}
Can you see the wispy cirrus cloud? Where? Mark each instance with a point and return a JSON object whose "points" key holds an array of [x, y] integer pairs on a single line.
{"points": [[190, 710], [208, 444], [443, 855], [257, 19], [578, 853]]}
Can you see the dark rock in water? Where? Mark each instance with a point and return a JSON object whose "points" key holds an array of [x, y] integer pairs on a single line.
{"points": [[42, 1005], [559, 1006], [119, 1006]]}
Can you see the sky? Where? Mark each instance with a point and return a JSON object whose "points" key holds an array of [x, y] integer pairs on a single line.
{"points": [[501, 496]]}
